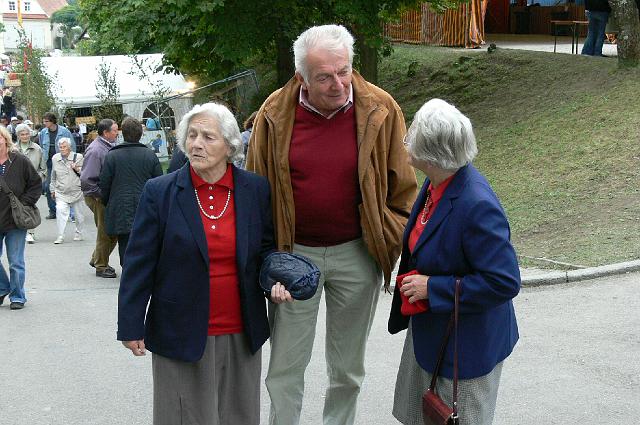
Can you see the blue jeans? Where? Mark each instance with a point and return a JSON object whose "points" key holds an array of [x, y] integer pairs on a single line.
{"points": [[595, 35], [45, 188], [14, 240]]}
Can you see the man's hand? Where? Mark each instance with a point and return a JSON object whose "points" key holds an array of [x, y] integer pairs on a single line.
{"points": [[279, 294], [53, 195], [136, 347], [415, 287]]}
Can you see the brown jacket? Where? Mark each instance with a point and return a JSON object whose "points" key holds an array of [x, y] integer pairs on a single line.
{"points": [[387, 182]]}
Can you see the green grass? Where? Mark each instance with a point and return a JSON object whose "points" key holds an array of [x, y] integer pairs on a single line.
{"points": [[558, 138]]}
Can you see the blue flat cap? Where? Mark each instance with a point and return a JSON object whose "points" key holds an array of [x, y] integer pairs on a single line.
{"points": [[296, 272]]}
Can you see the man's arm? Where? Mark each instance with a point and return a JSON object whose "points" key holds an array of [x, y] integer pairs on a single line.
{"points": [[257, 153]]}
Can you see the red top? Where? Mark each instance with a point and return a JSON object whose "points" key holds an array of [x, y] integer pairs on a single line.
{"points": [[225, 316], [323, 158], [427, 211]]}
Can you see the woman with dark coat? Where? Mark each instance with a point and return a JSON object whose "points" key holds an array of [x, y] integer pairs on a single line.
{"points": [[126, 169], [457, 230], [197, 244], [23, 180]]}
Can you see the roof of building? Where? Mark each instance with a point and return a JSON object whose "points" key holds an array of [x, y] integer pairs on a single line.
{"points": [[74, 78], [50, 6]]}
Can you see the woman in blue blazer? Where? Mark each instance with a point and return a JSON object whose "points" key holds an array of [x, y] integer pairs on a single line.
{"points": [[457, 229], [189, 290]]}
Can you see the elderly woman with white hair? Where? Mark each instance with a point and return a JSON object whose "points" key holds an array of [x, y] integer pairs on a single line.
{"points": [[65, 189], [194, 255], [457, 232]]}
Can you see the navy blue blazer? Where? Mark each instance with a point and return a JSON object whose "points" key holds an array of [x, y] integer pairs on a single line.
{"points": [[468, 237], [167, 262]]}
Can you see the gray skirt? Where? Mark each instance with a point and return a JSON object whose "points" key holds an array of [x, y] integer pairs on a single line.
{"points": [[222, 388], [476, 397]]}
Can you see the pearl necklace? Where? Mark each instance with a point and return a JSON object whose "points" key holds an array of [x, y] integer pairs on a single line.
{"points": [[213, 216], [423, 217]]}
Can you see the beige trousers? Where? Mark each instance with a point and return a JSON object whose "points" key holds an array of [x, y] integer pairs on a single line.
{"points": [[104, 243], [351, 282]]}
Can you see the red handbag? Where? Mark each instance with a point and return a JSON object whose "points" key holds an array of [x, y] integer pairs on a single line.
{"points": [[434, 410]]}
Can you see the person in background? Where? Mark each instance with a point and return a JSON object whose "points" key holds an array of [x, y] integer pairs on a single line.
{"points": [[246, 135], [31, 150], [94, 157], [65, 188], [126, 169], [330, 144], [198, 240], [77, 138], [49, 137], [178, 159], [23, 180], [597, 12], [457, 230]]}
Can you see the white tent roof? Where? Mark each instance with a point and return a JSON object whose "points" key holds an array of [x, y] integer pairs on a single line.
{"points": [[74, 78]]}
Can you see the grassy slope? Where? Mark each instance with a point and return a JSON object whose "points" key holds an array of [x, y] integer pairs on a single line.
{"points": [[558, 139]]}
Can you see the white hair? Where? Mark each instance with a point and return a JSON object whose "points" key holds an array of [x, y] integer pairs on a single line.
{"points": [[226, 121], [22, 127], [65, 140], [334, 38], [441, 135]]}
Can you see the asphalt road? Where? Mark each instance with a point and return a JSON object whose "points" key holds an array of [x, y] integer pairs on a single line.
{"points": [[577, 362]]}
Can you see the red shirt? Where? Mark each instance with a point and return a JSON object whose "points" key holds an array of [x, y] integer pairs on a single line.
{"points": [[323, 159], [225, 316], [427, 211]]}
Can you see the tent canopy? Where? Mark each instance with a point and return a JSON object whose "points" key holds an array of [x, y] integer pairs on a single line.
{"points": [[74, 78]]}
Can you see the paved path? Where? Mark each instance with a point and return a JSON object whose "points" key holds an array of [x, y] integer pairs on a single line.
{"points": [[578, 359], [541, 43]]}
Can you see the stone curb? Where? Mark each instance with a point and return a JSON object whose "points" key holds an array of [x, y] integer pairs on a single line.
{"points": [[556, 277]]}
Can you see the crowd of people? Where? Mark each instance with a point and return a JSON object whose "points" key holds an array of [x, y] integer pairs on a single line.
{"points": [[330, 177]]}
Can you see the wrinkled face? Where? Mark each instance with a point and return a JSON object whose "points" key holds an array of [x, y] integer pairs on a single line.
{"points": [[65, 149], [329, 79], [24, 136], [111, 135], [205, 145]]}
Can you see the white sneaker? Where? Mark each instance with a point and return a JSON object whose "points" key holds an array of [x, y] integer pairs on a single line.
{"points": [[77, 236], [59, 240], [30, 238]]}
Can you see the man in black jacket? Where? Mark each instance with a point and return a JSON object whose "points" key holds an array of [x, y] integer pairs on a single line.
{"points": [[126, 169], [597, 12]]}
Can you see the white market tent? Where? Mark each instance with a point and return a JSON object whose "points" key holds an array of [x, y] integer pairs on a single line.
{"points": [[74, 82]]}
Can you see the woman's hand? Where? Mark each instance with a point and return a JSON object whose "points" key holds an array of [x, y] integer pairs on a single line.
{"points": [[279, 294], [136, 347], [415, 287]]}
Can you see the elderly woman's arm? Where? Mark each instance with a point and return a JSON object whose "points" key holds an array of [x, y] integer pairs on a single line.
{"points": [[33, 186], [138, 274], [495, 277]]}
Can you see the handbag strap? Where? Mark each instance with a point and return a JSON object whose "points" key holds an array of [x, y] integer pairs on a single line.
{"points": [[453, 324]]}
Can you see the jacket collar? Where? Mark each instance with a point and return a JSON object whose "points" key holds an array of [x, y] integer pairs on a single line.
{"points": [[442, 210]]}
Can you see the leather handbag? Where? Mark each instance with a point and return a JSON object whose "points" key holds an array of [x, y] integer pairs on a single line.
{"points": [[434, 410], [24, 216]]}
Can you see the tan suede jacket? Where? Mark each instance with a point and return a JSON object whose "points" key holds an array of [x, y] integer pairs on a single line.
{"points": [[387, 182]]}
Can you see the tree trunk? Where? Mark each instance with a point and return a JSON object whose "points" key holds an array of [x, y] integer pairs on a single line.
{"points": [[284, 60], [625, 13], [368, 61]]}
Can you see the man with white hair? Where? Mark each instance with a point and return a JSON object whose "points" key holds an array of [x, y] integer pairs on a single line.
{"points": [[330, 144]]}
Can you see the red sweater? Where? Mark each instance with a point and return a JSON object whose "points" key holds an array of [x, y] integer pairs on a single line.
{"points": [[323, 158], [225, 316]]}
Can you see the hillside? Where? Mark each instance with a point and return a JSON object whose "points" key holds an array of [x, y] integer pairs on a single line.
{"points": [[559, 139]]}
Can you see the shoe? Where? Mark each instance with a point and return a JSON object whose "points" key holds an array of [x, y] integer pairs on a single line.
{"points": [[77, 236], [59, 240], [30, 238], [51, 216], [73, 219], [16, 306], [92, 264], [107, 273], [2, 298]]}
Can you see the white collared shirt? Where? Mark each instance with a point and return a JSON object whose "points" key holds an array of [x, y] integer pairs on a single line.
{"points": [[304, 101]]}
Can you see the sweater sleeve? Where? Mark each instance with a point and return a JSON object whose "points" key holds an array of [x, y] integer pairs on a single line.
{"points": [[33, 185]]}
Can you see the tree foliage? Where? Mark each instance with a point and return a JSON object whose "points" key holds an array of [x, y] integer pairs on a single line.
{"points": [[108, 92], [67, 18], [212, 38]]}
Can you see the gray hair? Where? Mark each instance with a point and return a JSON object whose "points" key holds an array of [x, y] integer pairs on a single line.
{"points": [[226, 121], [334, 38], [441, 135], [65, 140], [22, 127]]}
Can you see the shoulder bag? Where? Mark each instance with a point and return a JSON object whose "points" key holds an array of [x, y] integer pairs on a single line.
{"points": [[24, 216], [434, 410]]}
